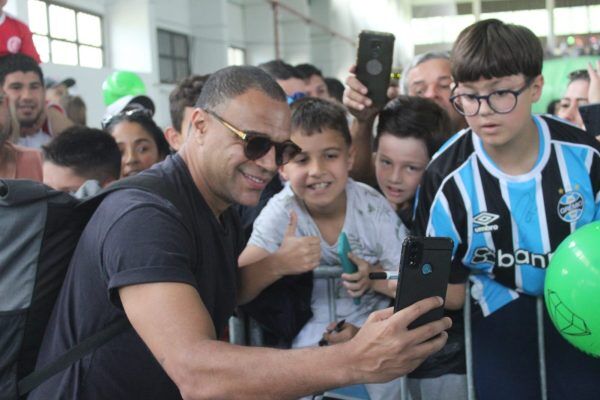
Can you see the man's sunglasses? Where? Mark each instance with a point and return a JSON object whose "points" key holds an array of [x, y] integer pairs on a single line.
{"points": [[256, 144]]}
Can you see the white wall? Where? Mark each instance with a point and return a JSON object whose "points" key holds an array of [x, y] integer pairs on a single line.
{"points": [[212, 26]]}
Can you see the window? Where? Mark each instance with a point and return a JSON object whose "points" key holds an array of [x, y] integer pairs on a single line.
{"points": [[236, 56], [173, 53], [65, 35]]}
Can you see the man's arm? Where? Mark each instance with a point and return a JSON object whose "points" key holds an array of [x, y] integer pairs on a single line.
{"points": [[57, 120], [173, 322], [361, 128]]}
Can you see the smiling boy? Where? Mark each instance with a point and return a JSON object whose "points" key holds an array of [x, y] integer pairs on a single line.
{"points": [[495, 189], [298, 230]]}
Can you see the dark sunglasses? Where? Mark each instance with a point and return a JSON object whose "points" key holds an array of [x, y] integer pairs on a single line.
{"points": [[256, 144], [109, 119]]}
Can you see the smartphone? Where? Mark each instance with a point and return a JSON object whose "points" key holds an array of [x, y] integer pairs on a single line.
{"points": [[374, 64], [424, 272], [347, 265]]}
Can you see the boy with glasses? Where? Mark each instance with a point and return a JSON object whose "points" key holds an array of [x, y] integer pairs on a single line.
{"points": [[496, 190]]}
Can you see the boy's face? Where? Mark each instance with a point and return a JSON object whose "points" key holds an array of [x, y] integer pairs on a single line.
{"points": [[576, 95], [319, 174], [399, 166], [496, 129], [62, 178]]}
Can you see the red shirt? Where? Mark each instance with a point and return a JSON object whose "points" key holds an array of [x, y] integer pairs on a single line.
{"points": [[15, 37]]}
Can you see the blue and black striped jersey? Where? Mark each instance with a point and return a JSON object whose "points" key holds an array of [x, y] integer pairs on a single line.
{"points": [[505, 228]]}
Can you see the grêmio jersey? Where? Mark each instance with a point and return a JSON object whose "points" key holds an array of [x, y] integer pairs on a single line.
{"points": [[505, 228]]}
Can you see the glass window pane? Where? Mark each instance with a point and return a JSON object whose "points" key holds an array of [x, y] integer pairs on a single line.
{"points": [[62, 23], [570, 20], [64, 52], [164, 44], [90, 57], [181, 69], [166, 70], [89, 29], [180, 46], [43, 47], [594, 18], [423, 34], [38, 20], [236, 56], [454, 24]]}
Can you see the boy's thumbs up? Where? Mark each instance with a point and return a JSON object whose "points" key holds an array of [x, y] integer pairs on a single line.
{"points": [[292, 225]]}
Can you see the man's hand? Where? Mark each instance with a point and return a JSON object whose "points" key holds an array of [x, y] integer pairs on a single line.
{"points": [[357, 283], [594, 90], [356, 99], [297, 254], [384, 348]]}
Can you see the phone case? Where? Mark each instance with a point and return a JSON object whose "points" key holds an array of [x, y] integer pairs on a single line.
{"points": [[374, 63], [424, 272], [348, 266]]}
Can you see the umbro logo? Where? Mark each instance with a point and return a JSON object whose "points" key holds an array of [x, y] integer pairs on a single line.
{"points": [[485, 222]]}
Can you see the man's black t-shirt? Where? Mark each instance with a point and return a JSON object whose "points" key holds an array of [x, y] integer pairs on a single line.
{"points": [[137, 237]]}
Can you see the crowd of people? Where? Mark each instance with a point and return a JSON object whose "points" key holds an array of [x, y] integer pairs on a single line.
{"points": [[273, 163]]}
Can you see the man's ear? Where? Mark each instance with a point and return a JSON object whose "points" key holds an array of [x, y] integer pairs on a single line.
{"points": [[537, 86], [174, 138], [198, 125]]}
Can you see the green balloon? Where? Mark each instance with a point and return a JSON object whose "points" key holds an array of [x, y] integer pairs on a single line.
{"points": [[122, 83], [572, 289]]}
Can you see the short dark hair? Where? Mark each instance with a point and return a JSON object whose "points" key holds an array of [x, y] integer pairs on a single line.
{"points": [[279, 69], [416, 117], [335, 88], [230, 82], [491, 48], [310, 115], [308, 70], [579, 75], [184, 95], [141, 117], [90, 153], [18, 63]]}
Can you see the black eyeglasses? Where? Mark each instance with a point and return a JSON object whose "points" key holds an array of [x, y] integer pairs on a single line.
{"points": [[109, 119], [256, 144], [500, 101]]}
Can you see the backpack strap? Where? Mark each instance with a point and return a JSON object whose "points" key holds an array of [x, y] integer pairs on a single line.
{"points": [[149, 183], [73, 355]]}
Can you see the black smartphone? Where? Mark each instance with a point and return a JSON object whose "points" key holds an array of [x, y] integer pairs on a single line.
{"points": [[424, 272], [374, 63]]}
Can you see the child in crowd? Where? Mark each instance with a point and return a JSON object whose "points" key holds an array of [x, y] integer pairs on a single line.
{"points": [[318, 203], [409, 132], [140, 140], [81, 161], [495, 190]]}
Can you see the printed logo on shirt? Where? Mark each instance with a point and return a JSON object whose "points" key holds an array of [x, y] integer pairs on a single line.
{"points": [[503, 259], [14, 44], [484, 222], [570, 206]]}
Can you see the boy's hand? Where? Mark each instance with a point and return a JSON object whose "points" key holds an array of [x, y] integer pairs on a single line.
{"points": [[357, 283], [594, 90], [298, 254], [356, 99], [334, 335]]}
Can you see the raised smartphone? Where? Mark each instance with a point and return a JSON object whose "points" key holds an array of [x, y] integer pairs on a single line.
{"points": [[374, 64], [424, 272], [347, 265]]}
